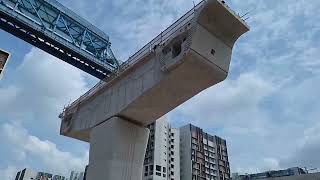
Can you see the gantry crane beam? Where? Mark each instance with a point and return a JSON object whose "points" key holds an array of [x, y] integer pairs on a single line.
{"points": [[55, 29]]}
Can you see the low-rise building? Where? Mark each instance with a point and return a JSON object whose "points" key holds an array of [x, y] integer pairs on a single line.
{"points": [[29, 174], [294, 173]]}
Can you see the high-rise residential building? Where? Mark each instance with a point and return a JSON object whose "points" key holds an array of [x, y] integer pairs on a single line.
{"points": [[202, 156], [162, 160]]}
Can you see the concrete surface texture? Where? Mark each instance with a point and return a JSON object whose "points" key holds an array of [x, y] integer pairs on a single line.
{"points": [[117, 150], [196, 56]]}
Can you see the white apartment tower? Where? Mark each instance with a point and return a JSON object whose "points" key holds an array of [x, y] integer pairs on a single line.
{"points": [[202, 156], [162, 160]]}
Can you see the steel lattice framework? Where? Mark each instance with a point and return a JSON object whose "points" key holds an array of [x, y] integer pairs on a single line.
{"points": [[55, 29]]}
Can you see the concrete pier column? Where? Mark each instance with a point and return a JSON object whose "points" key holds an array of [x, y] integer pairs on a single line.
{"points": [[117, 150]]}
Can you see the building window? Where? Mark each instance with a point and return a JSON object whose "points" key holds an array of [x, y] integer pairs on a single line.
{"points": [[164, 169], [158, 174], [158, 168]]}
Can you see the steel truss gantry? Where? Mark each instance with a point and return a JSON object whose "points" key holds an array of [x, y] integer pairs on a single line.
{"points": [[55, 29]]}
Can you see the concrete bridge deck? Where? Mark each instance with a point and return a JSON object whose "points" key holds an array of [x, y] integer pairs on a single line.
{"points": [[191, 55]]}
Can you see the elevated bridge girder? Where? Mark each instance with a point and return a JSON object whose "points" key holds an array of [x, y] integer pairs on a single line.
{"points": [[191, 55]]}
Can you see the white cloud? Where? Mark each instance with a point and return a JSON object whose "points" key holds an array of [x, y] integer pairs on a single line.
{"points": [[41, 152], [8, 173], [265, 164], [31, 97], [220, 105], [269, 100], [306, 153], [40, 87], [131, 24], [271, 164]]}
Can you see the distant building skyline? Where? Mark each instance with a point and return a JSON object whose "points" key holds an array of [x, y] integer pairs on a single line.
{"points": [[29, 174], [294, 173]]}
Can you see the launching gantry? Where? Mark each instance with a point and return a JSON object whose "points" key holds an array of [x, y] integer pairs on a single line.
{"points": [[194, 53]]}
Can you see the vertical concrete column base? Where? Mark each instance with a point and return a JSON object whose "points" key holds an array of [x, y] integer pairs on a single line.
{"points": [[117, 150]]}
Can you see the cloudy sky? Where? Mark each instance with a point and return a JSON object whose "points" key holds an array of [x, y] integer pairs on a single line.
{"points": [[267, 109]]}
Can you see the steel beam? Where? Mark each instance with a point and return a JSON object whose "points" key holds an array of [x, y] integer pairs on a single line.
{"points": [[55, 29]]}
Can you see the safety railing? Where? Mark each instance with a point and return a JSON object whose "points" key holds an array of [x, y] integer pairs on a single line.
{"points": [[163, 36]]}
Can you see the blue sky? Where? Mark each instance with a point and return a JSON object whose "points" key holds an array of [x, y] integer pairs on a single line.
{"points": [[267, 109]]}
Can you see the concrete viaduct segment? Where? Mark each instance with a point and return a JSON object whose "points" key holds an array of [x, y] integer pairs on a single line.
{"points": [[191, 55]]}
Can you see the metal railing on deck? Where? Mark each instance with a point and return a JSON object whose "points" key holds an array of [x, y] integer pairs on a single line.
{"points": [[163, 36]]}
